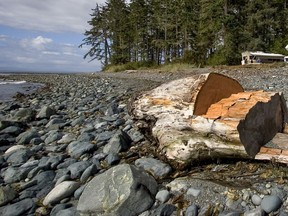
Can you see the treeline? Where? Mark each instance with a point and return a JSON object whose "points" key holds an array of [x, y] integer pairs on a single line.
{"points": [[190, 31]]}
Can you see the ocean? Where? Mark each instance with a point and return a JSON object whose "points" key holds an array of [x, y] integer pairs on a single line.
{"points": [[8, 88]]}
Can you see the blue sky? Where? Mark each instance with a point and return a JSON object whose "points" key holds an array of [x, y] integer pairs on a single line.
{"points": [[44, 35]]}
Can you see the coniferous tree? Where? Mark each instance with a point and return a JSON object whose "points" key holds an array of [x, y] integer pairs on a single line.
{"points": [[213, 32], [117, 19], [98, 36], [210, 35], [138, 19]]}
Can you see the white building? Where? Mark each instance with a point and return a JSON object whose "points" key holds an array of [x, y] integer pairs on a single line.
{"points": [[260, 57]]}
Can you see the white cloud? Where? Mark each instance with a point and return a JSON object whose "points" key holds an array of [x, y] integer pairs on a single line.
{"points": [[24, 59], [43, 54], [47, 15], [3, 37], [60, 62], [61, 21], [71, 54], [51, 53], [41, 41], [38, 43]]}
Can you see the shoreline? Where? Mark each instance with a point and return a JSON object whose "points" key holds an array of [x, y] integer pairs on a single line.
{"points": [[65, 134], [11, 88]]}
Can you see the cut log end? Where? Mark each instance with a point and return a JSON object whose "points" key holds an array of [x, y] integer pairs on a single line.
{"points": [[257, 117], [215, 88]]}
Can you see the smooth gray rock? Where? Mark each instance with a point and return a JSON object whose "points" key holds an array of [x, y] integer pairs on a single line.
{"points": [[19, 156], [15, 174], [76, 148], [66, 163], [25, 185], [280, 192], [254, 212], [46, 112], [18, 209], [112, 159], [77, 169], [7, 194], [68, 212], [32, 173], [271, 203], [60, 207], [104, 136], [256, 200], [194, 192], [227, 213], [24, 115], [86, 137], [122, 190], [163, 196], [50, 162], [119, 122], [12, 149], [41, 122], [56, 148], [135, 135], [30, 163], [192, 210], [44, 179], [14, 130], [36, 141], [112, 109], [67, 138], [56, 123], [78, 121], [91, 170], [62, 179], [79, 191], [155, 167], [54, 161], [53, 137], [26, 137], [43, 163], [61, 191], [164, 209], [101, 125], [119, 142]]}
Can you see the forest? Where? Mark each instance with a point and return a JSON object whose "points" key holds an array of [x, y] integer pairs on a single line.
{"points": [[199, 32]]}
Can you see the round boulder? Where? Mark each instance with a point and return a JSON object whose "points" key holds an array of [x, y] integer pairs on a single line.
{"points": [[120, 191]]}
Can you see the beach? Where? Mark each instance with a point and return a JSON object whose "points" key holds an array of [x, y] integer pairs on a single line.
{"points": [[76, 131]]}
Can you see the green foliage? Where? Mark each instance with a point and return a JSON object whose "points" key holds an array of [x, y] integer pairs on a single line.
{"points": [[175, 67], [142, 33], [128, 66]]}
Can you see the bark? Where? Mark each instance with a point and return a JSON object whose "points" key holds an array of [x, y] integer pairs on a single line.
{"points": [[209, 116]]}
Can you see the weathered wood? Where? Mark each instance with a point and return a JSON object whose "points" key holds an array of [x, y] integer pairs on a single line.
{"points": [[253, 118], [209, 116]]}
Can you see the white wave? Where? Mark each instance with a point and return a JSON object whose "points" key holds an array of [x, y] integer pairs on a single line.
{"points": [[12, 82]]}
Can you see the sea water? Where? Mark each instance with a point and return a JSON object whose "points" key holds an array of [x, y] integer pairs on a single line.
{"points": [[9, 88]]}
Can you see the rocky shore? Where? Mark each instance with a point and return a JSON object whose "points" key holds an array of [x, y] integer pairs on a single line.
{"points": [[71, 148]]}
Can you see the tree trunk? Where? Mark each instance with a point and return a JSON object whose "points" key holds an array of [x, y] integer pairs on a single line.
{"points": [[209, 116]]}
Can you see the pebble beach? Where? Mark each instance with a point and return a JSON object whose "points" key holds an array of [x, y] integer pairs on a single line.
{"points": [[67, 145]]}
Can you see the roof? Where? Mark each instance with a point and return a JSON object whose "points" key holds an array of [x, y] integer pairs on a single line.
{"points": [[258, 53]]}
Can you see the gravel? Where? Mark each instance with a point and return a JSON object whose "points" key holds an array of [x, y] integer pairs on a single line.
{"points": [[78, 116]]}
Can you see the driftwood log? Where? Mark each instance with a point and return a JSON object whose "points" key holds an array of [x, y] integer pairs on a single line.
{"points": [[210, 116]]}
